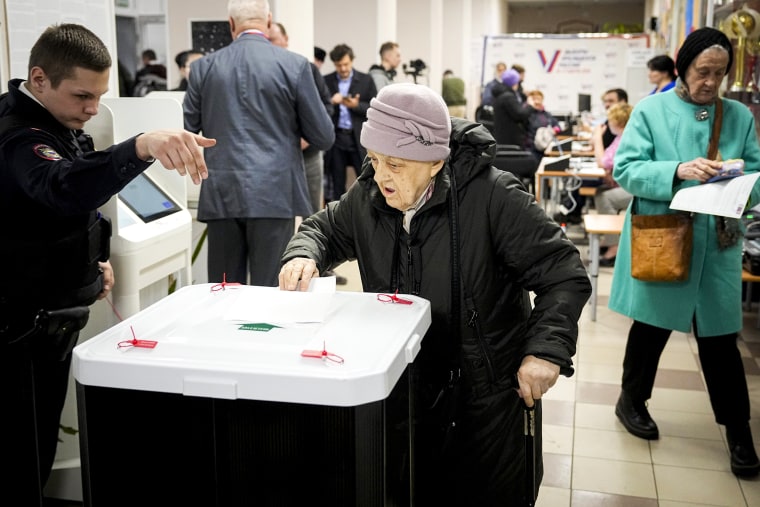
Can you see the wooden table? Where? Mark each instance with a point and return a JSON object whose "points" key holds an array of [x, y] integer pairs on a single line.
{"points": [[555, 153], [556, 176], [552, 151], [750, 279], [596, 226]]}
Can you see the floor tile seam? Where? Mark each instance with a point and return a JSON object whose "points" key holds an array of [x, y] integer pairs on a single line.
{"points": [[725, 471], [651, 461], [614, 494], [701, 439], [738, 481], [614, 460]]}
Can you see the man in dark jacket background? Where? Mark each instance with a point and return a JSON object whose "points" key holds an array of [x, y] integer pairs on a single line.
{"points": [[351, 92], [426, 176], [510, 115]]}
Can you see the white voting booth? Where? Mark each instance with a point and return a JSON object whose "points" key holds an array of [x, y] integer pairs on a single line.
{"points": [[151, 224], [221, 407], [199, 269], [193, 190]]}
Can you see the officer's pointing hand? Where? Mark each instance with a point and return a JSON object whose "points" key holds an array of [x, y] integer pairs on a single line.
{"points": [[176, 149]]}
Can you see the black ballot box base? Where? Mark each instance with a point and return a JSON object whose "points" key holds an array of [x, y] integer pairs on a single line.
{"points": [[157, 449]]}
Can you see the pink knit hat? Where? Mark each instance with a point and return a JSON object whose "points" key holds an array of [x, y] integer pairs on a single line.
{"points": [[409, 121]]}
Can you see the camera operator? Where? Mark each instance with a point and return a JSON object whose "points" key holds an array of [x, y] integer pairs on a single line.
{"points": [[390, 57]]}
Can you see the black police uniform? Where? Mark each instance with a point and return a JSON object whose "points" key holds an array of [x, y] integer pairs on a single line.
{"points": [[51, 184]]}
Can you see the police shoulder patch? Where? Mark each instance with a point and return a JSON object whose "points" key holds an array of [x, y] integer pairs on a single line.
{"points": [[46, 152]]}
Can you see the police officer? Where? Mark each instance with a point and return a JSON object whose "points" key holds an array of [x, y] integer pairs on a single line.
{"points": [[54, 251]]}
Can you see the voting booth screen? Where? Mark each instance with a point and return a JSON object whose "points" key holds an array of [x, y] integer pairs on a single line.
{"points": [[147, 200]]}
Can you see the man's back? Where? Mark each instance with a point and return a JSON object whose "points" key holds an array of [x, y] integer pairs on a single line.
{"points": [[259, 100]]}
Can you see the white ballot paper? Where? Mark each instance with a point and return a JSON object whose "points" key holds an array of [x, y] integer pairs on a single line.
{"points": [[726, 198], [272, 305]]}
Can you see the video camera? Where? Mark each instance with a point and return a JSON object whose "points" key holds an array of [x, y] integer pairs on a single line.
{"points": [[414, 68]]}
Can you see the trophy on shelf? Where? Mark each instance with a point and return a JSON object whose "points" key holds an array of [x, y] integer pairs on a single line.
{"points": [[753, 50], [744, 26]]}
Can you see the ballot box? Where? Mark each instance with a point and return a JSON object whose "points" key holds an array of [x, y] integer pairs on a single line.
{"points": [[232, 396]]}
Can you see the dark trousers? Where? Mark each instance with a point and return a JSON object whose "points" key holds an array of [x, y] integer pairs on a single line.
{"points": [[721, 364], [239, 244], [35, 380], [343, 153]]}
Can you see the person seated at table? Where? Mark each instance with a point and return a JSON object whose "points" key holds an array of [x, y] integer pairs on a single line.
{"points": [[539, 118], [601, 131], [610, 197]]}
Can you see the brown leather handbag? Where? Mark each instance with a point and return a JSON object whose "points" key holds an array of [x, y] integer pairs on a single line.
{"points": [[661, 244], [661, 247]]}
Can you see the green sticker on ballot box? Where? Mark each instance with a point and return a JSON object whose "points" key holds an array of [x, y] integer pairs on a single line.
{"points": [[258, 326]]}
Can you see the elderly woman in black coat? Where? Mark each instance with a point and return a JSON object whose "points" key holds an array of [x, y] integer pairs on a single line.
{"points": [[430, 216]]}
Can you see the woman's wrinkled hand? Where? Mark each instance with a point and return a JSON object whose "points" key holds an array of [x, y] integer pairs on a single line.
{"points": [[535, 377], [700, 169], [297, 273]]}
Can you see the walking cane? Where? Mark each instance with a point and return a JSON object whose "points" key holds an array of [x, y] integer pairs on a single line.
{"points": [[529, 432]]}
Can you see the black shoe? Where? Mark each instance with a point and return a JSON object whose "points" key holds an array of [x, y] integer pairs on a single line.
{"points": [[567, 219], [744, 461], [607, 262], [635, 417]]}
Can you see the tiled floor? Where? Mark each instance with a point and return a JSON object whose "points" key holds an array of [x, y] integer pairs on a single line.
{"points": [[590, 460]]}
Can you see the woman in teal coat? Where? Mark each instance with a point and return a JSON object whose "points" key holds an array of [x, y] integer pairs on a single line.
{"points": [[662, 150]]}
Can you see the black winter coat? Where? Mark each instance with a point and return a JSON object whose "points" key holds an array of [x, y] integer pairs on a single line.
{"points": [[510, 118], [52, 190], [508, 246]]}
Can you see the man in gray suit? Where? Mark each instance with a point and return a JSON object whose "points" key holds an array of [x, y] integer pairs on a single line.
{"points": [[258, 100]]}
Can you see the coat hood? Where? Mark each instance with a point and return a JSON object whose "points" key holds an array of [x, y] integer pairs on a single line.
{"points": [[473, 150]]}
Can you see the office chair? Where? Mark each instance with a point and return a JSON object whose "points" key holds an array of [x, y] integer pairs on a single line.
{"points": [[522, 163], [484, 116]]}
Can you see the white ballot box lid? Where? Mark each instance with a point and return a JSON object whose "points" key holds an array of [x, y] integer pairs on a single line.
{"points": [[200, 351]]}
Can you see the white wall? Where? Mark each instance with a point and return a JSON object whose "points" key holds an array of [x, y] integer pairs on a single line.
{"points": [[297, 16], [27, 19], [4, 66], [350, 22], [179, 15]]}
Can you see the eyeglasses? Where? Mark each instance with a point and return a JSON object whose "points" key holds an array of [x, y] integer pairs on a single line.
{"points": [[393, 298]]}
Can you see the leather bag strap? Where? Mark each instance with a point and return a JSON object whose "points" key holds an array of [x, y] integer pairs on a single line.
{"points": [[712, 150]]}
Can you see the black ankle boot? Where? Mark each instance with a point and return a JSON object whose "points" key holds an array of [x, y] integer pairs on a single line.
{"points": [[744, 461], [635, 417]]}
